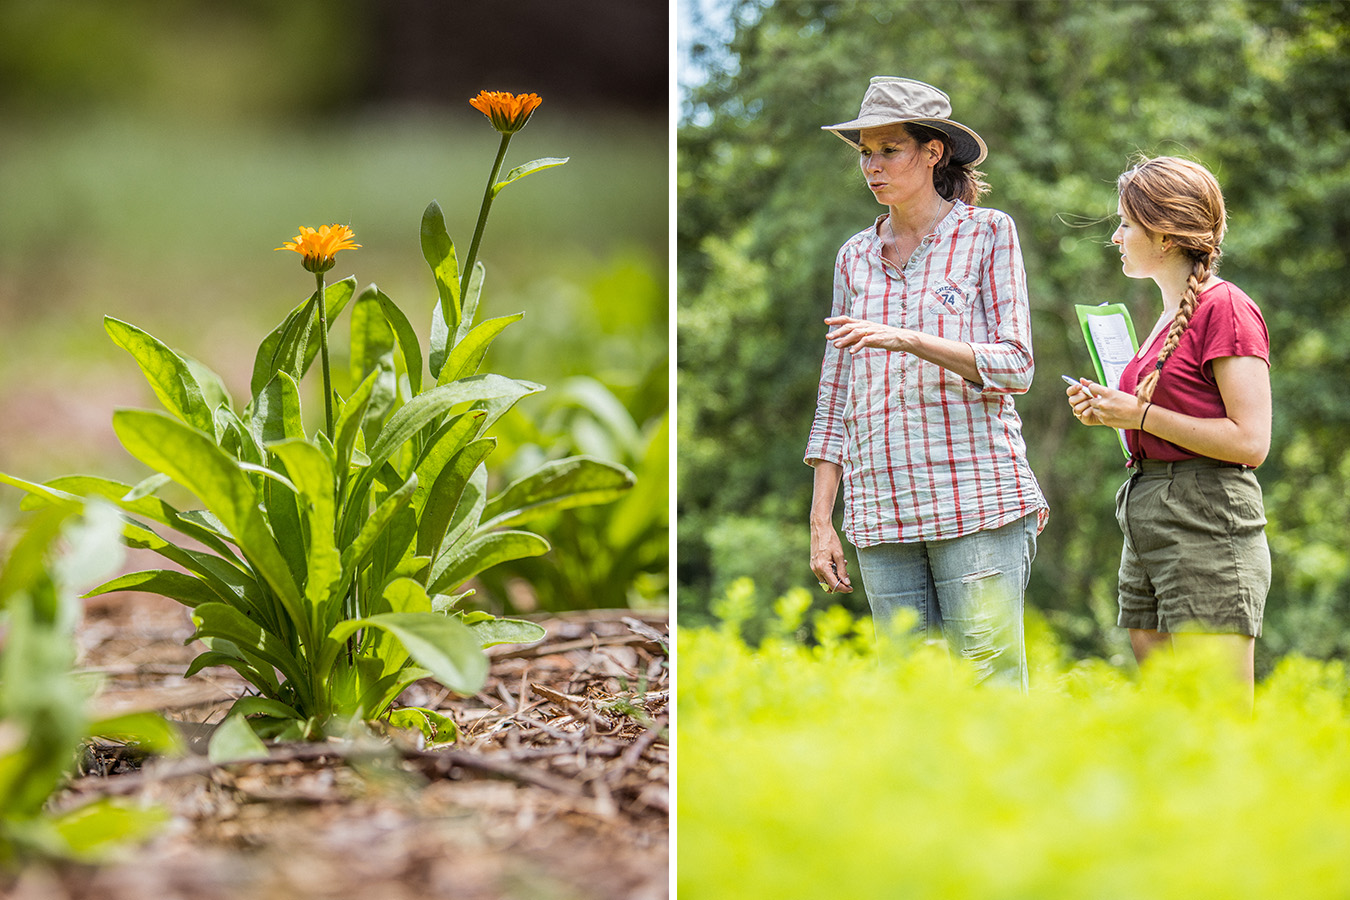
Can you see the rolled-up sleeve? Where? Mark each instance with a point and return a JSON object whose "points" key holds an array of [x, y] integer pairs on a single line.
{"points": [[826, 441], [1005, 362]]}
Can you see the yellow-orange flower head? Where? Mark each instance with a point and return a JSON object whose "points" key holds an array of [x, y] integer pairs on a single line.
{"points": [[508, 112], [319, 248]]}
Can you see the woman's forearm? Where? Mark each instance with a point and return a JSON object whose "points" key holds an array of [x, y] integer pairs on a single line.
{"points": [[824, 492]]}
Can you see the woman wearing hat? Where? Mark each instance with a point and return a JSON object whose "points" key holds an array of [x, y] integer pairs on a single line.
{"points": [[1195, 404], [929, 340]]}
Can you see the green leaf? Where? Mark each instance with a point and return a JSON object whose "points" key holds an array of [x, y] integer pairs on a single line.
{"points": [[439, 252], [260, 677], [312, 472], [493, 631], [293, 344], [234, 741], [408, 342], [276, 411], [262, 706], [443, 646], [443, 499], [371, 335], [150, 731], [354, 555], [437, 729], [472, 291], [284, 349], [483, 552], [170, 376], [124, 497], [468, 353], [194, 461], [188, 590], [534, 165], [218, 620], [561, 484], [94, 830]]}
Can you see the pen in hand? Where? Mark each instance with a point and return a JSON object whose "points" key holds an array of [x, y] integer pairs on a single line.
{"points": [[1074, 382]]}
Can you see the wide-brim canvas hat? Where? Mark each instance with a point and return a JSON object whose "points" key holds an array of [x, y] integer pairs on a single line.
{"points": [[893, 101]]}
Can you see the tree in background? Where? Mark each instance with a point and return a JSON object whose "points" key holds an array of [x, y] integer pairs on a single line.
{"points": [[1065, 92]]}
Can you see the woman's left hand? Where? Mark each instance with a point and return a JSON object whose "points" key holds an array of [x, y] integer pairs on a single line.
{"points": [[854, 334]]}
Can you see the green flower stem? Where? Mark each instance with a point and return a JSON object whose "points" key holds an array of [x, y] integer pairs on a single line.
{"points": [[323, 353], [488, 194]]}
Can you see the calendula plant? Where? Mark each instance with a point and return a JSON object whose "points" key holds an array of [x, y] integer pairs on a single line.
{"points": [[42, 701], [327, 569]]}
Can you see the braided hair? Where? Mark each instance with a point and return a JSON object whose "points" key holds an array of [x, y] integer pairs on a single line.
{"points": [[1181, 200]]}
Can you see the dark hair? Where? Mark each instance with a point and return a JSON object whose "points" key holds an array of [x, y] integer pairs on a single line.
{"points": [[953, 182]]}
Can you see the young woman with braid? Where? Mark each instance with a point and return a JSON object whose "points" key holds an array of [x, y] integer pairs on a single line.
{"points": [[1196, 409]]}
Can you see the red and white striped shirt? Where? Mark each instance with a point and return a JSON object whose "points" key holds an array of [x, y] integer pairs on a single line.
{"points": [[926, 454]]}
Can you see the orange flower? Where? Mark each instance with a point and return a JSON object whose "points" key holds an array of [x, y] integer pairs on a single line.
{"points": [[320, 247], [508, 112]]}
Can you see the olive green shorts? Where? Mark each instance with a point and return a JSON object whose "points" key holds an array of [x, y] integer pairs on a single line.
{"points": [[1195, 556]]}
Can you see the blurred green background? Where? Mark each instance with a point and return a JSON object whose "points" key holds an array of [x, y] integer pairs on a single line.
{"points": [[1065, 93], [152, 155]]}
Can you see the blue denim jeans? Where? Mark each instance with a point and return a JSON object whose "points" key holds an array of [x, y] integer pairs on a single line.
{"points": [[969, 591]]}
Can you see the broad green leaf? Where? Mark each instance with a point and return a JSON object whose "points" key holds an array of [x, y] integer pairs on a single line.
{"points": [[350, 416], [443, 499], [218, 620], [472, 291], [188, 590], [483, 552], [262, 706], [169, 374], [194, 461], [150, 731], [562, 484], [354, 555], [96, 830], [464, 523], [214, 391], [403, 595], [534, 165], [439, 252], [276, 411], [443, 446], [337, 295], [121, 496], [645, 509], [260, 676], [408, 342], [468, 353], [435, 727], [312, 473], [234, 741], [444, 647], [293, 344], [288, 353], [371, 335], [493, 631]]}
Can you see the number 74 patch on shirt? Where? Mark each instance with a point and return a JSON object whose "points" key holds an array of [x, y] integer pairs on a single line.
{"points": [[952, 298]]}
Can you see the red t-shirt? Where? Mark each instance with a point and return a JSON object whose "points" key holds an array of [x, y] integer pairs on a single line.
{"points": [[1225, 323]]}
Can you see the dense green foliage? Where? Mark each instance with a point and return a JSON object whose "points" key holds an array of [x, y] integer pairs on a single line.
{"points": [[42, 700], [327, 568], [836, 771], [1064, 93]]}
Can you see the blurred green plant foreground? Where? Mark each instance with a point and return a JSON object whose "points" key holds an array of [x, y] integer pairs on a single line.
{"points": [[836, 770]]}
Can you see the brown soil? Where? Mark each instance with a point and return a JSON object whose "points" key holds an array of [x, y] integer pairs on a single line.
{"points": [[558, 787]]}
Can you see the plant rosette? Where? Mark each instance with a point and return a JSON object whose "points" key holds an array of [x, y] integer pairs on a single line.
{"points": [[328, 569]]}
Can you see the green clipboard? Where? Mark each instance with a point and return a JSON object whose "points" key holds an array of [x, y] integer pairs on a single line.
{"points": [[1108, 332]]}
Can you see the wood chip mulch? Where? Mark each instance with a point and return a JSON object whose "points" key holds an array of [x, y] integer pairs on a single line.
{"points": [[558, 787]]}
